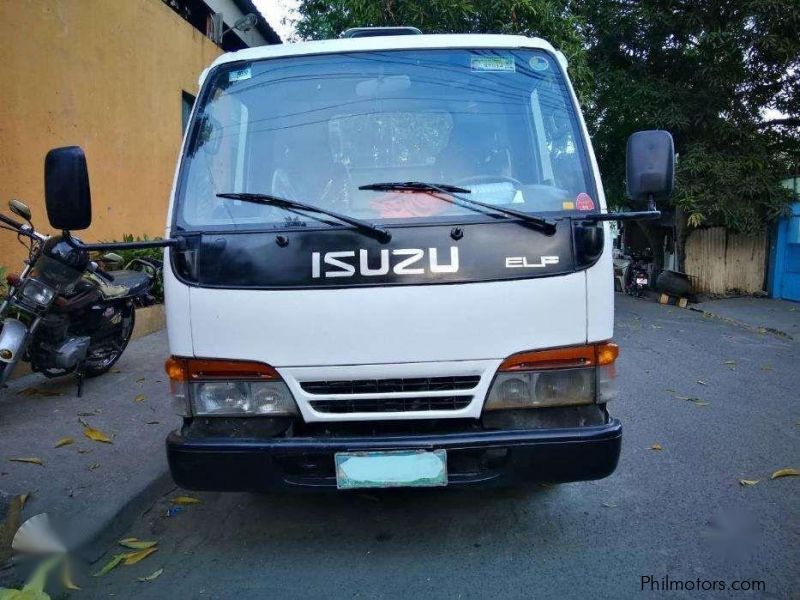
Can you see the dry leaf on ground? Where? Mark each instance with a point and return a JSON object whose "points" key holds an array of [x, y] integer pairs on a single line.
{"points": [[27, 459], [139, 398], [656, 447], [37, 392], [184, 500], [94, 434], [747, 482], [785, 473], [65, 441], [693, 399], [131, 558], [609, 504], [136, 543], [152, 576], [110, 565]]}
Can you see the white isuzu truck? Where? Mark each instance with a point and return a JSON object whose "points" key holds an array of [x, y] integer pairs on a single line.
{"points": [[389, 264]]}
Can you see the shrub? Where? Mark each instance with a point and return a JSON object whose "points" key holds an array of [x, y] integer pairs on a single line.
{"points": [[145, 253]]}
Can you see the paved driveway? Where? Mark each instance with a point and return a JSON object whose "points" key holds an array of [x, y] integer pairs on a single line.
{"points": [[679, 512]]}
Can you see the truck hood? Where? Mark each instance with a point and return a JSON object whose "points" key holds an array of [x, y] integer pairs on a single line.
{"points": [[416, 323]]}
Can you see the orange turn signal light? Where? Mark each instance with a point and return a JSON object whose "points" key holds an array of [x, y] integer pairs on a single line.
{"points": [[193, 369], [588, 355]]}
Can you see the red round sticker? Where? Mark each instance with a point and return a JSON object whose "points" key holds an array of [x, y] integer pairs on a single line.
{"points": [[584, 202]]}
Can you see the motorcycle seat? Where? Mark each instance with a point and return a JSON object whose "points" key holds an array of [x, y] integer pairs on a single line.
{"points": [[126, 283]]}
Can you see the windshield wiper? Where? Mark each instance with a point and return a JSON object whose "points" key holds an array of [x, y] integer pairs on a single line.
{"points": [[547, 226], [379, 233]]}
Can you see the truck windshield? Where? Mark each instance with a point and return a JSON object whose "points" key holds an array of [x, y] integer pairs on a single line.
{"points": [[313, 129]]}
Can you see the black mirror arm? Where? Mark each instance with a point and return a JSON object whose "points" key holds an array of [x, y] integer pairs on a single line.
{"points": [[179, 243]]}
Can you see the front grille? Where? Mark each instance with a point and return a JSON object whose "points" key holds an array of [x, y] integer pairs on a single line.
{"points": [[385, 386], [386, 405]]}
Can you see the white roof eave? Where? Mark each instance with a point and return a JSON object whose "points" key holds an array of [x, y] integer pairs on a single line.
{"points": [[397, 42]]}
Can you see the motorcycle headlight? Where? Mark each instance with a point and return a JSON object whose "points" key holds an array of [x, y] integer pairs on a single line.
{"points": [[35, 293]]}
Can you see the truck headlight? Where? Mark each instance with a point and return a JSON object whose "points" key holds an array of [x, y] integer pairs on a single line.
{"points": [[36, 293], [561, 377], [216, 388], [233, 398]]}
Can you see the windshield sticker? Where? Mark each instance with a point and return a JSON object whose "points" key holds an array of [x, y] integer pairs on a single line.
{"points": [[584, 202], [493, 63], [239, 75], [568, 206], [539, 63]]}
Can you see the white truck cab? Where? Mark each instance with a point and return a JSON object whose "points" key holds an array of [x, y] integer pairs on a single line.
{"points": [[395, 268]]}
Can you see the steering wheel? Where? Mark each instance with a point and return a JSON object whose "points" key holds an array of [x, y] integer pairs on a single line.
{"points": [[477, 179]]}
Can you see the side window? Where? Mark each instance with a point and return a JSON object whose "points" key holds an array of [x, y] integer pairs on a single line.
{"points": [[555, 133], [220, 155], [187, 102]]}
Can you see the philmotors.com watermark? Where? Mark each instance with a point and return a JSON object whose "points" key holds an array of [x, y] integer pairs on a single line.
{"points": [[650, 583]]}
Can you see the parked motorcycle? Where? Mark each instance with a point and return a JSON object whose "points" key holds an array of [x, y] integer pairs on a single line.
{"points": [[64, 314], [638, 274]]}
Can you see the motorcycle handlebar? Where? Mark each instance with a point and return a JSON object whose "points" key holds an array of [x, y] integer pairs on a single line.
{"points": [[11, 222], [22, 228]]}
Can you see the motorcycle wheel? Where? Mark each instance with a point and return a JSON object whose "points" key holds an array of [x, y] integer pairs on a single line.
{"points": [[106, 357]]}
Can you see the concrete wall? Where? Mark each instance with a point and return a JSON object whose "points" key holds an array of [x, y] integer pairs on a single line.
{"points": [[106, 75], [722, 262]]}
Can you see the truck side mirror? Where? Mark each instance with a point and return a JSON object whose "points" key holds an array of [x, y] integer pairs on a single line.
{"points": [[650, 165], [66, 189]]}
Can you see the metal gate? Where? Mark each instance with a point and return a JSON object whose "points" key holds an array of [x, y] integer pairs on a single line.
{"points": [[785, 272]]}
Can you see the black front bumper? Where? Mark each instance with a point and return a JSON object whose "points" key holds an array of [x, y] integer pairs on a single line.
{"points": [[473, 458]]}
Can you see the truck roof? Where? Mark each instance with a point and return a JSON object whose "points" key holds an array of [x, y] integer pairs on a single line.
{"points": [[388, 42]]}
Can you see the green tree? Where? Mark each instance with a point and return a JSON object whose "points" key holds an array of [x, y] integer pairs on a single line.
{"points": [[708, 71], [548, 19]]}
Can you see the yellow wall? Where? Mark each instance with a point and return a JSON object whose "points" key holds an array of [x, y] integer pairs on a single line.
{"points": [[106, 75]]}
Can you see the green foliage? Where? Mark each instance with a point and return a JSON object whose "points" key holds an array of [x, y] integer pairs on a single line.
{"points": [[151, 253], [706, 70]]}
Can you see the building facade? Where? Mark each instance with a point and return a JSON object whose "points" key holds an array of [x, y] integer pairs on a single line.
{"points": [[116, 78]]}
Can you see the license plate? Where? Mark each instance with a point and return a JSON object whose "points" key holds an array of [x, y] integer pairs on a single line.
{"points": [[403, 468], [641, 281]]}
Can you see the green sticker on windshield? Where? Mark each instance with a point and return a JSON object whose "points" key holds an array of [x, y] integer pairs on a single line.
{"points": [[239, 75], [493, 63]]}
